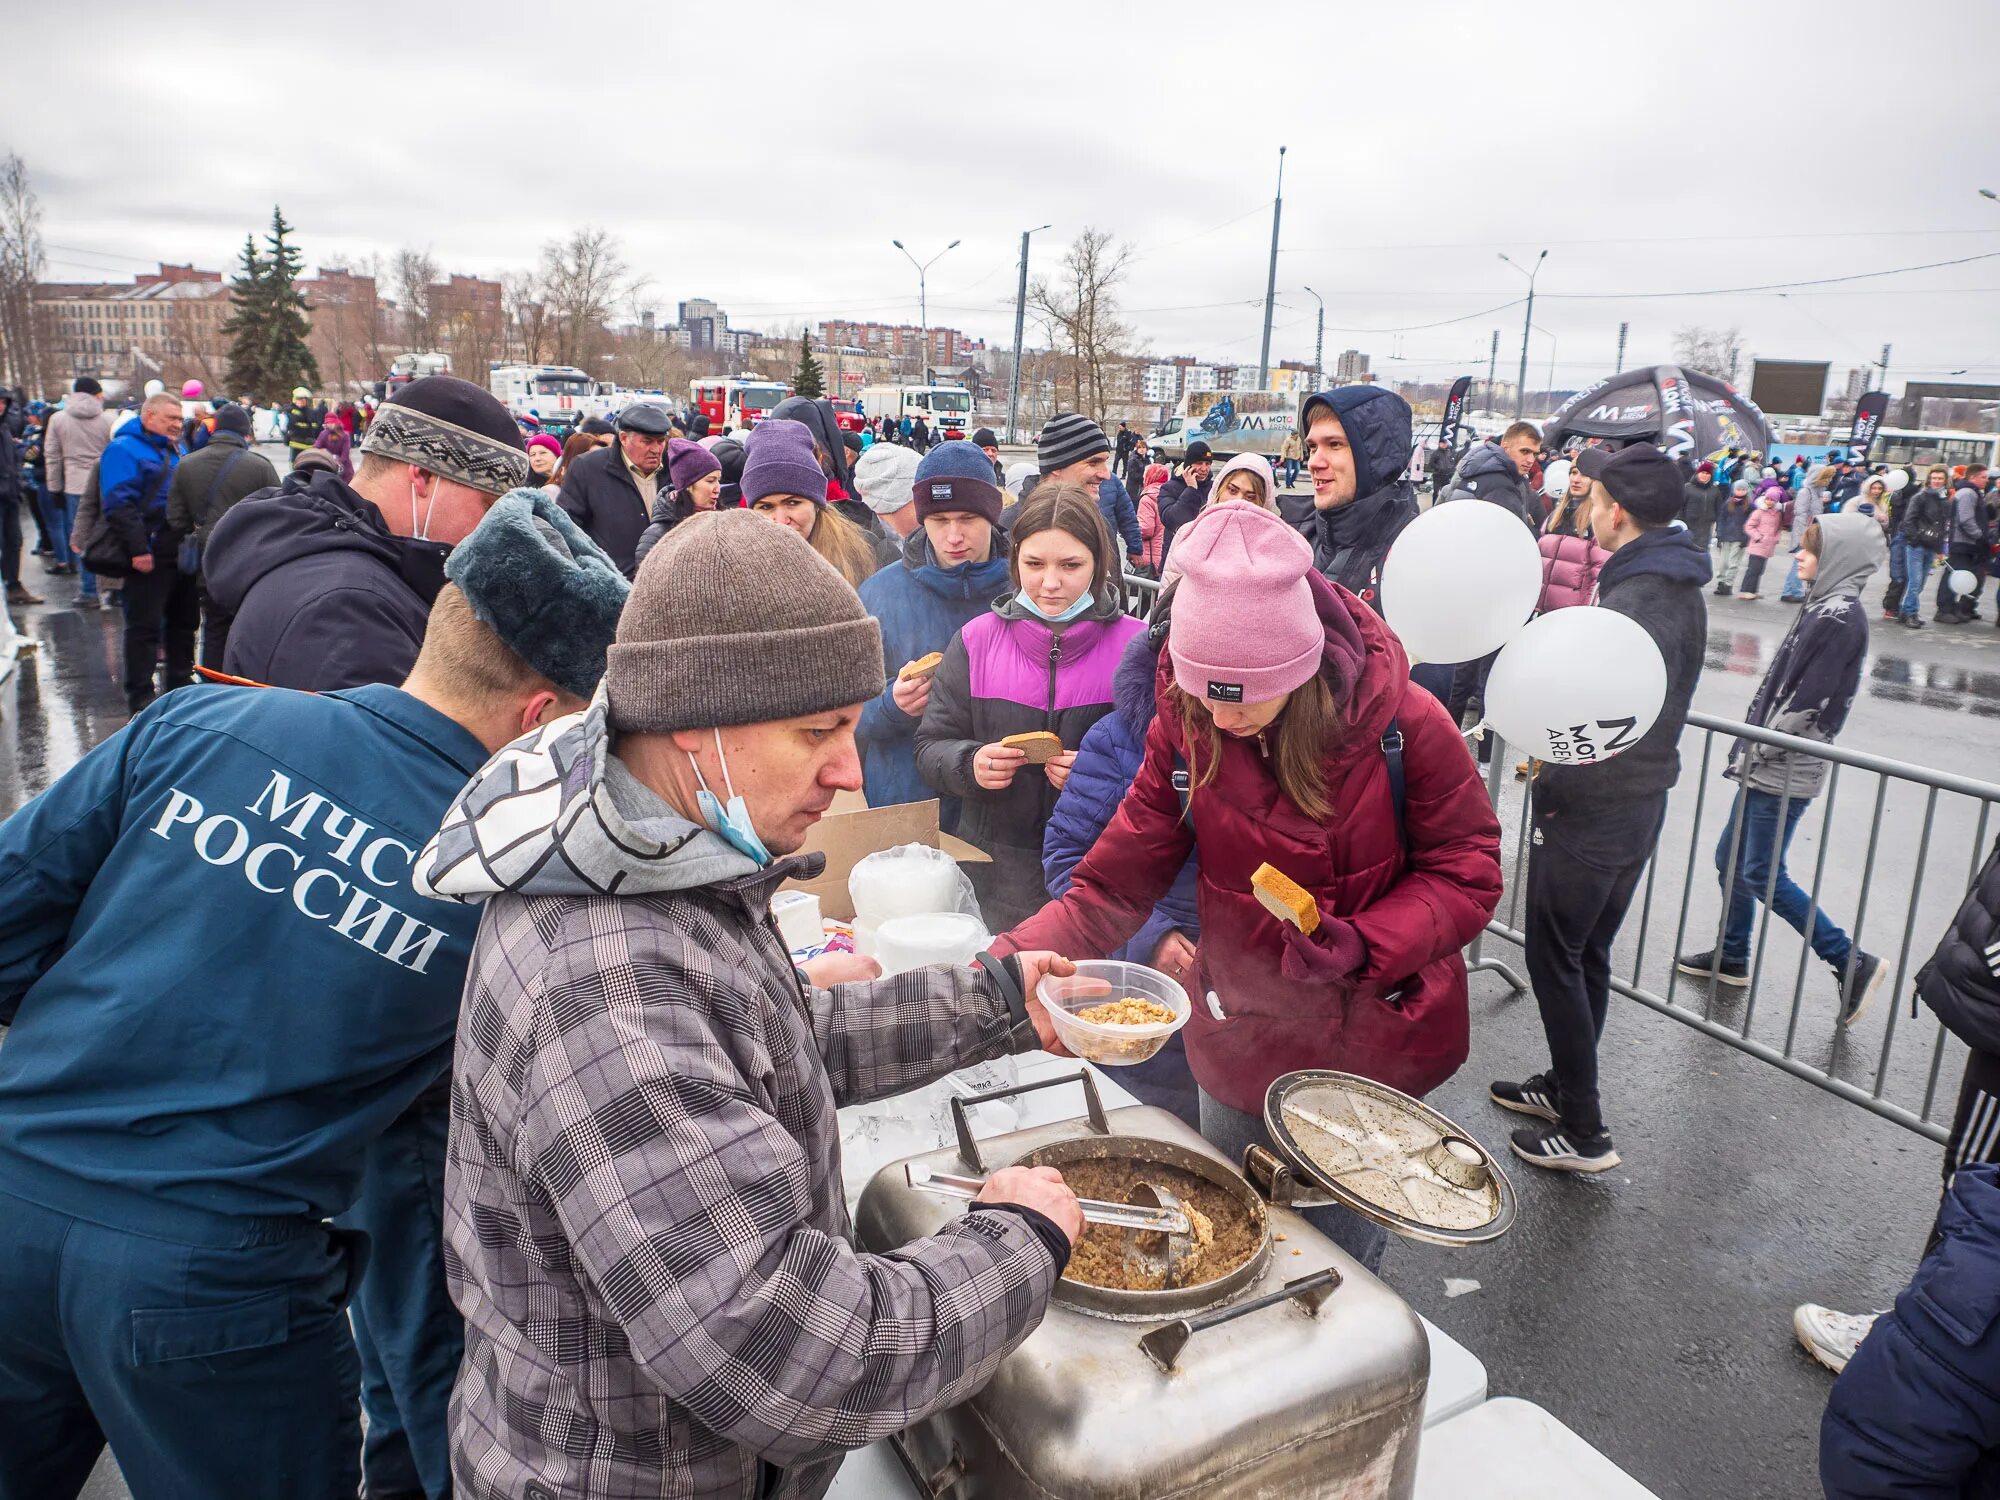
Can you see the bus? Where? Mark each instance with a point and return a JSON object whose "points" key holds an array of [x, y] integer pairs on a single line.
{"points": [[944, 408], [738, 404], [1913, 447]]}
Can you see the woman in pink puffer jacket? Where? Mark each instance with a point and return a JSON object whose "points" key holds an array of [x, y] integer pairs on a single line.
{"points": [[1570, 559], [1761, 531]]}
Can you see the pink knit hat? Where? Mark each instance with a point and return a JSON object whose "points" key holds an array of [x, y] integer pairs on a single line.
{"points": [[1244, 626]]}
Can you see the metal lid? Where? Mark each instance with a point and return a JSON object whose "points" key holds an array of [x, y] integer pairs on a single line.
{"points": [[1389, 1157]]}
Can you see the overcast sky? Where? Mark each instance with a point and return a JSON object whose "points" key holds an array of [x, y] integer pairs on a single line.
{"points": [[766, 154]]}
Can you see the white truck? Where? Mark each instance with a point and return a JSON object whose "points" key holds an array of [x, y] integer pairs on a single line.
{"points": [[556, 396], [1230, 422], [945, 408]]}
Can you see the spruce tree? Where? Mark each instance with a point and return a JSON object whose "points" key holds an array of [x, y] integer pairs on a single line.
{"points": [[268, 324], [244, 327], [806, 379]]}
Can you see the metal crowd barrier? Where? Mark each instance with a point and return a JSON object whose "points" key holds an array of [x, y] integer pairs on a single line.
{"points": [[1892, 880]]}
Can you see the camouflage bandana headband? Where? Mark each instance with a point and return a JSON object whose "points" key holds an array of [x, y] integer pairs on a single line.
{"points": [[446, 449]]}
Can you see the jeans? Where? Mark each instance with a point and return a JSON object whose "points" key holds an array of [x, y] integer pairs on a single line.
{"points": [[10, 542], [160, 603], [1752, 581], [1916, 573], [62, 521], [1583, 870], [1232, 1132], [1763, 846], [1726, 566], [1291, 472]]}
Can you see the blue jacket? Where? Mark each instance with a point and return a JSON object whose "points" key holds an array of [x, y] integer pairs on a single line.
{"points": [[1916, 1413], [1121, 516], [1106, 762], [133, 477], [221, 983], [920, 606]]}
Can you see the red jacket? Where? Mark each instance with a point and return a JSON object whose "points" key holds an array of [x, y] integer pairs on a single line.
{"points": [[1414, 907]]}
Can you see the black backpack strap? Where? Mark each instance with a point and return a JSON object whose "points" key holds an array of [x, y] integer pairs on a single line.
{"points": [[221, 473], [1392, 752], [1184, 786]]}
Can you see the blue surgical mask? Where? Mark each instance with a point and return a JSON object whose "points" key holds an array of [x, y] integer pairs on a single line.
{"points": [[1083, 602], [731, 824]]}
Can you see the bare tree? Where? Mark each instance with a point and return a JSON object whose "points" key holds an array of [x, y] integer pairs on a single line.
{"points": [[23, 263], [412, 275], [1710, 351], [583, 279], [527, 313], [193, 346], [1081, 316]]}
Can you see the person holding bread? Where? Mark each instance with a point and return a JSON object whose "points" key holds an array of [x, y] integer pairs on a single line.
{"points": [[953, 566], [1333, 901], [1019, 686]]}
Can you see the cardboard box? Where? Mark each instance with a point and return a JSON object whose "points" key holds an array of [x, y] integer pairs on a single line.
{"points": [[846, 837]]}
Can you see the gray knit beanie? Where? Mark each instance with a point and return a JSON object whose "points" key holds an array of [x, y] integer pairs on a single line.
{"points": [[1068, 439], [734, 619]]}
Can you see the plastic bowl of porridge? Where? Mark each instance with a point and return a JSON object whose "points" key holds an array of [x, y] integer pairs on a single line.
{"points": [[1114, 1014]]}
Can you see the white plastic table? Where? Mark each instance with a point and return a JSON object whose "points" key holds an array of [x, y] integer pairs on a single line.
{"points": [[1509, 1449]]}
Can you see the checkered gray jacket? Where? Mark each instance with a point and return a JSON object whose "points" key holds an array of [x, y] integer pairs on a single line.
{"points": [[645, 1228]]}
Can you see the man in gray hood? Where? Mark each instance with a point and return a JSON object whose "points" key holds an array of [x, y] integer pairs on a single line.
{"points": [[645, 1223], [1807, 692]]}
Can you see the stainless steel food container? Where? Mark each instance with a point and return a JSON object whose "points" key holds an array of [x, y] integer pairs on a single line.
{"points": [[1305, 1380]]}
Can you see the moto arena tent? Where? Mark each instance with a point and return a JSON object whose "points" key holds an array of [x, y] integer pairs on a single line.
{"points": [[1690, 415]]}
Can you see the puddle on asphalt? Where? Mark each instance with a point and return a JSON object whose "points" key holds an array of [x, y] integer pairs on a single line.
{"points": [[1892, 678]]}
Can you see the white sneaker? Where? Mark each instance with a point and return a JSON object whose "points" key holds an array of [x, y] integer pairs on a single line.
{"points": [[1831, 1337]]}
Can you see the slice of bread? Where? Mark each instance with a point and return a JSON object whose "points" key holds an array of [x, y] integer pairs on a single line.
{"points": [[1284, 898], [1042, 747], [923, 666]]}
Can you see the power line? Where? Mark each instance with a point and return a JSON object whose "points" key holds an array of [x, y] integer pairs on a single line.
{"points": [[1774, 286], [1654, 239]]}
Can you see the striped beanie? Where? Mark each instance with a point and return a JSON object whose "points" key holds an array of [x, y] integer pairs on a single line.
{"points": [[1070, 438]]}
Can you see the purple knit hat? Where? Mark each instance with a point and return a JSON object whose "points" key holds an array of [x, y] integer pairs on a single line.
{"points": [[778, 460], [1240, 563], [687, 462]]}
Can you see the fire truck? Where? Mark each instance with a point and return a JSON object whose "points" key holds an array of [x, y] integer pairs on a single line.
{"points": [[847, 414], [944, 408], [556, 396], [736, 404]]}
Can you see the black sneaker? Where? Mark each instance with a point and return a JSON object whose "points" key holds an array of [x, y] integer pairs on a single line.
{"points": [[1911, 622], [1858, 985], [1531, 1096], [1732, 972], [1559, 1150]]}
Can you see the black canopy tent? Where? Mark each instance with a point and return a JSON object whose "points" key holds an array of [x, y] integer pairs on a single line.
{"points": [[1690, 415]]}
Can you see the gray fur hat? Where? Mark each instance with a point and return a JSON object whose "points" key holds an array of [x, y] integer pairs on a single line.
{"points": [[547, 590]]}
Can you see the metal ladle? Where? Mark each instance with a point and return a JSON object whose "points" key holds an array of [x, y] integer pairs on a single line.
{"points": [[1169, 1255], [1159, 1218]]}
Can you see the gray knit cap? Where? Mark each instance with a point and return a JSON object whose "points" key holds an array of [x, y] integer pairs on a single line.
{"points": [[734, 619], [1069, 438]]}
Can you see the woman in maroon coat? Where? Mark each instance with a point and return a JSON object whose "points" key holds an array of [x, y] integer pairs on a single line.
{"points": [[1279, 693]]}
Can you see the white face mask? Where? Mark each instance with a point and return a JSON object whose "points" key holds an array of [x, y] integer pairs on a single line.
{"points": [[422, 528]]}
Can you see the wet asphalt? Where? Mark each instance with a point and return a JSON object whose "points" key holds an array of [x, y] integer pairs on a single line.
{"points": [[1647, 1308]]}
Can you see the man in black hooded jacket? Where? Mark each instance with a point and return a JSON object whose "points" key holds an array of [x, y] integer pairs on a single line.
{"points": [[331, 584], [1595, 825]]}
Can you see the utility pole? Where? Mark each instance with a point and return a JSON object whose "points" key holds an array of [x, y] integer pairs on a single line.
{"points": [[1319, 339], [1885, 368], [1527, 321], [1271, 281], [1623, 329], [1020, 326], [1492, 361]]}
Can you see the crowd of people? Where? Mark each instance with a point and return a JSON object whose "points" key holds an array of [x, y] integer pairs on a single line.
{"points": [[431, 938]]}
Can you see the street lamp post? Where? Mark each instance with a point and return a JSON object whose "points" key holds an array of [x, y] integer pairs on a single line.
{"points": [[923, 301], [1319, 337], [1527, 321], [1271, 280], [1020, 327]]}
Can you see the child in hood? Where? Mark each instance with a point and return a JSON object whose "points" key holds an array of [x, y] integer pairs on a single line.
{"points": [[1761, 531]]}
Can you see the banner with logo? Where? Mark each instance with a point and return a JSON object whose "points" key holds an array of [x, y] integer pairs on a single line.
{"points": [[1454, 408], [1868, 414]]}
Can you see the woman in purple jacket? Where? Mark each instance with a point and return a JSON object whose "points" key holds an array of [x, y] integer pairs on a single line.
{"points": [[1041, 659]]}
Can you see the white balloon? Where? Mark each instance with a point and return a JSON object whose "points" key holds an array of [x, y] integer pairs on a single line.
{"points": [[1577, 686], [1897, 480], [1555, 478], [1460, 581], [154, 387], [1963, 581]]}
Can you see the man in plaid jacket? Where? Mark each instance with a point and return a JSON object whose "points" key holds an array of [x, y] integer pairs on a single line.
{"points": [[644, 1218]]}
